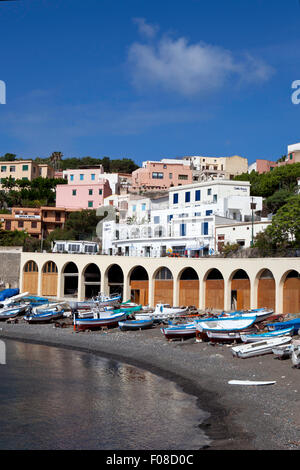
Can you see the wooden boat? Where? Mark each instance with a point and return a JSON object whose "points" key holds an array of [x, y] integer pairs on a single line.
{"points": [[294, 323], [180, 331], [223, 325], [45, 316], [101, 319], [283, 352], [227, 336], [135, 324], [11, 312], [260, 347], [252, 338], [162, 312]]}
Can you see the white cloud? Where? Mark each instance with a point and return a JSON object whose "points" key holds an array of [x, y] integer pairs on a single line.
{"points": [[189, 69], [145, 29]]}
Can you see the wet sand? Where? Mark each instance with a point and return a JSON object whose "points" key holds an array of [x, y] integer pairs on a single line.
{"points": [[241, 418]]}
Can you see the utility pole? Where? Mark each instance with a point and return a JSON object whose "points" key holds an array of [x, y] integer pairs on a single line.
{"points": [[253, 206]]}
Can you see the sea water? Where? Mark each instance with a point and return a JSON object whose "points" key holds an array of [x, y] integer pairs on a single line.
{"points": [[55, 398]]}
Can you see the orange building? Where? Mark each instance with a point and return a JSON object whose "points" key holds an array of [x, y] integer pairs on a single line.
{"points": [[37, 222]]}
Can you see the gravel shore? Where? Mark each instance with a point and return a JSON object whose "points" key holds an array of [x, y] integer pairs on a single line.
{"points": [[241, 418]]}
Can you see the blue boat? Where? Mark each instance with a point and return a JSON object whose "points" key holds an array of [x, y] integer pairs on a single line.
{"points": [[252, 338], [35, 301], [135, 324], [295, 323]]}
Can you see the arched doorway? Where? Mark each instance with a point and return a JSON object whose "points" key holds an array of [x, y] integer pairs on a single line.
{"points": [[92, 281], [291, 293], [115, 279], [49, 279], [240, 290], [266, 290], [189, 288], [214, 290], [163, 286], [30, 277], [70, 275], [139, 285]]}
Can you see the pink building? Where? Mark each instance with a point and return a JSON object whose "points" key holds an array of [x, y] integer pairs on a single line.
{"points": [[161, 175], [82, 196], [264, 166]]}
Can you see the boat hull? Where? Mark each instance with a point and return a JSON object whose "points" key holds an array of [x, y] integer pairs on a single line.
{"points": [[95, 323], [179, 333], [135, 325], [250, 338], [259, 348]]}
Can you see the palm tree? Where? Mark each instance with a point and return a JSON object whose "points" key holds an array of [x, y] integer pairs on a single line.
{"points": [[55, 159]]}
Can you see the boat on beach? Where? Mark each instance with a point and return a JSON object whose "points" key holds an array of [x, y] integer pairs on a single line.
{"points": [[183, 331], [128, 325], [252, 338], [162, 312], [45, 315], [12, 312], [260, 347], [294, 323], [225, 328], [100, 320]]}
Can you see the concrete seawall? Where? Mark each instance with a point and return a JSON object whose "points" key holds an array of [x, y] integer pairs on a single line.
{"points": [[9, 268]]}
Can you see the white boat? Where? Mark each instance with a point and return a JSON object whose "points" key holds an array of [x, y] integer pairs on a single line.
{"points": [[253, 338], [99, 320], [260, 347], [45, 315], [226, 336], [283, 352], [11, 312], [251, 382], [187, 330], [12, 300], [135, 324], [260, 313], [162, 312], [296, 356], [223, 325]]}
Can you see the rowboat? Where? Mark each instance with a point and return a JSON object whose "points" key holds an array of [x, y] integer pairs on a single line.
{"points": [[187, 330], [100, 320], [227, 336], [223, 325], [295, 324], [162, 312], [13, 301], [283, 352], [45, 316], [135, 324], [260, 313], [271, 334], [260, 347], [11, 312]]}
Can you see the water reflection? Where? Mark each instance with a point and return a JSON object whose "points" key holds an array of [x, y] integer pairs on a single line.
{"points": [[52, 398]]}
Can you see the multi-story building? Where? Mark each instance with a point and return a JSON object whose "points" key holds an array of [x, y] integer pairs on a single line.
{"points": [[187, 224], [37, 222], [264, 166], [161, 175], [209, 168], [24, 170]]}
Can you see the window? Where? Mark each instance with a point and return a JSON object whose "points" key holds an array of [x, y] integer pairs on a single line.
{"points": [[20, 224], [169, 218], [81, 177], [25, 168], [175, 198], [74, 192], [156, 219], [93, 176], [133, 208], [12, 169], [100, 192], [143, 207], [208, 212], [197, 214], [187, 196], [182, 177], [204, 228], [90, 192], [8, 225], [25, 178], [90, 204], [209, 192], [33, 224], [3, 169], [71, 177], [198, 195], [156, 175], [164, 166], [182, 230], [215, 198], [170, 176]]}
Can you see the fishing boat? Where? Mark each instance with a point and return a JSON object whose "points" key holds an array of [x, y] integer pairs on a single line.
{"points": [[45, 315], [162, 312], [11, 312], [135, 324], [222, 326], [260, 313], [283, 352], [227, 336], [294, 323], [15, 300], [252, 338], [35, 301], [100, 319], [179, 331], [260, 347], [7, 293]]}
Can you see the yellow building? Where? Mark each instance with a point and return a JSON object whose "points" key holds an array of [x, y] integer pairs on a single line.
{"points": [[24, 170]]}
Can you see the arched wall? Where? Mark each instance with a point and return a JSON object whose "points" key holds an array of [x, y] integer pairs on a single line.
{"points": [[279, 267]]}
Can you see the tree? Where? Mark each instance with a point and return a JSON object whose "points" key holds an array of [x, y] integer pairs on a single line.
{"points": [[55, 159], [285, 226]]}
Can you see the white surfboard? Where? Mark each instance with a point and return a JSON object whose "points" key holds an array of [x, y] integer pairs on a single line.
{"points": [[250, 382]]}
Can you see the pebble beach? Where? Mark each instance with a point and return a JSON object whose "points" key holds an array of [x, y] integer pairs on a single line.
{"points": [[240, 417]]}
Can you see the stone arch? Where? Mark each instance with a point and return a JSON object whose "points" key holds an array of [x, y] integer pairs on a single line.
{"points": [[70, 279], [214, 289], [115, 279], [291, 292], [49, 279], [189, 287], [139, 285], [163, 286], [240, 290], [30, 277], [266, 289], [91, 280]]}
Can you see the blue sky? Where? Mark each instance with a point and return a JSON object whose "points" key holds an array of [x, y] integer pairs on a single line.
{"points": [[149, 80]]}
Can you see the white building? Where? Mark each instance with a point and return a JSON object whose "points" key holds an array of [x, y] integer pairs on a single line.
{"points": [[187, 221], [240, 234]]}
